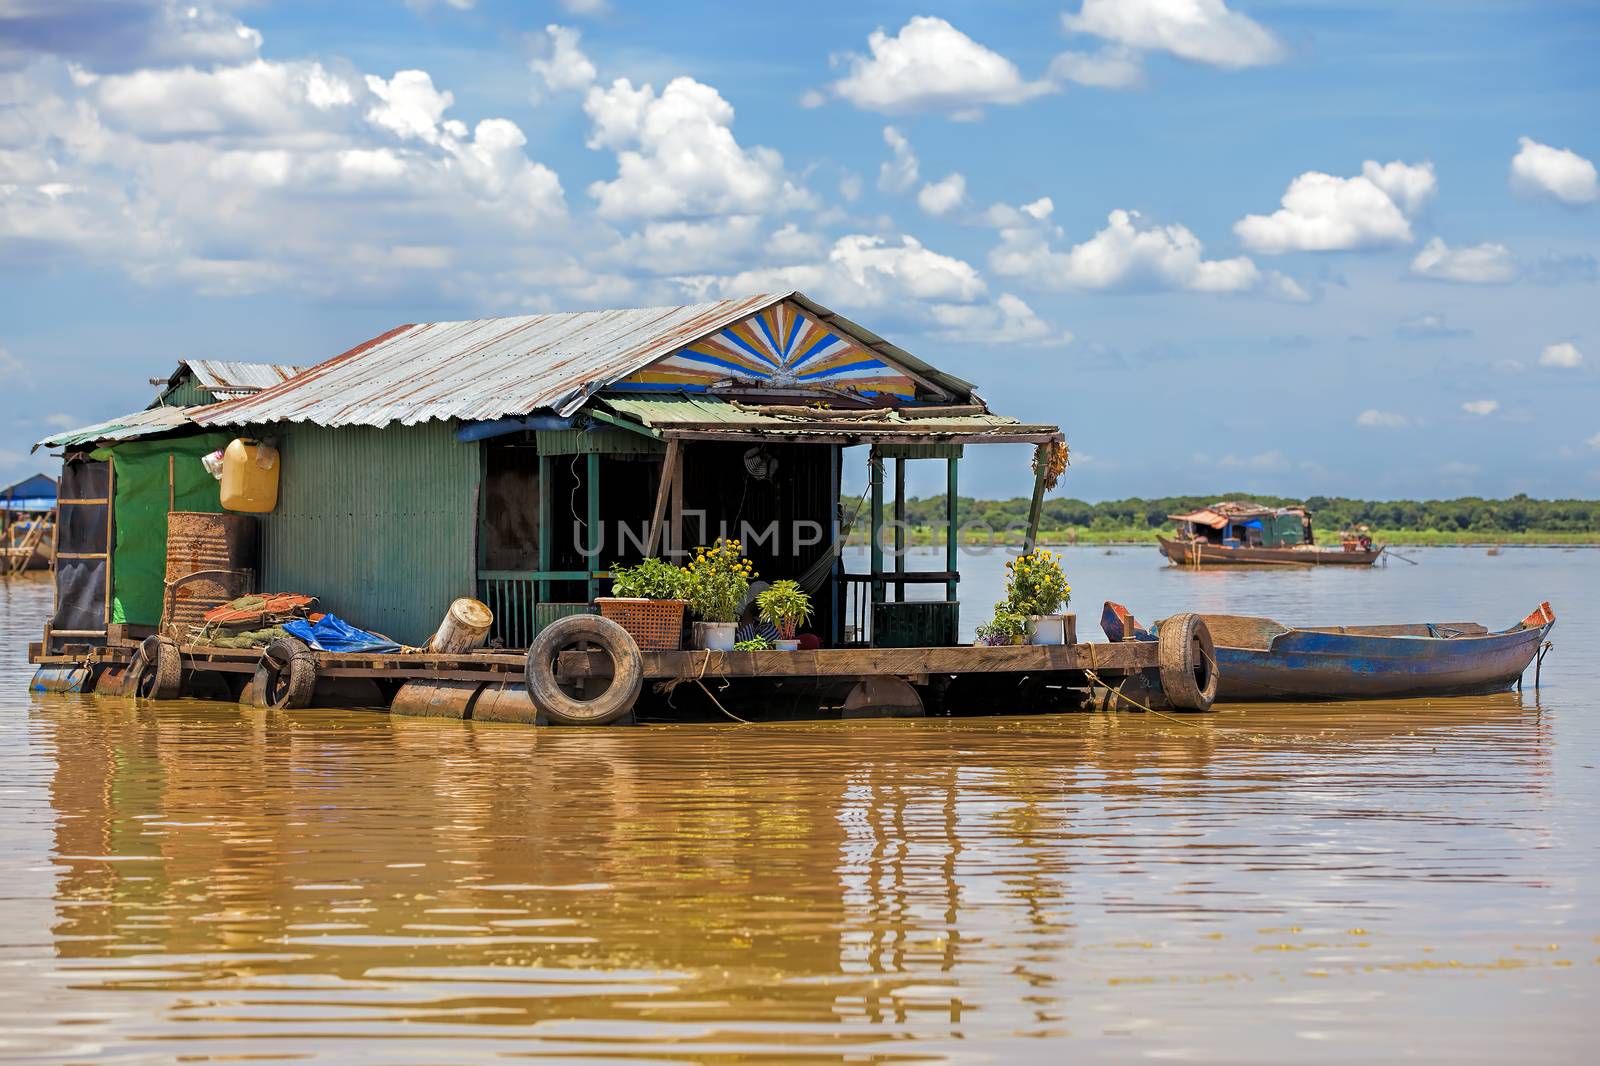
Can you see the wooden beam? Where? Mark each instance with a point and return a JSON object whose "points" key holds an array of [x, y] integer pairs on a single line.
{"points": [[900, 525], [952, 514], [547, 525], [669, 470], [591, 527], [846, 438], [877, 662], [677, 504], [875, 523], [1036, 507]]}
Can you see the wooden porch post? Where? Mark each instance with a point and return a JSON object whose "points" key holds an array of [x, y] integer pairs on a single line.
{"points": [[1036, 508], [875, 523], [952, 513], [900, 526], [592, 523], [669, 470], [546, 525]]}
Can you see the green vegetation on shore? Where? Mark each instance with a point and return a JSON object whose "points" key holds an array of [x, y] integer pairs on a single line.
{"points": [[1467, 520]]}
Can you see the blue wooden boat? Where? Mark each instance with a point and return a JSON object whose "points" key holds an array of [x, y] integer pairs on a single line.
{"points": [[1260, 659]]}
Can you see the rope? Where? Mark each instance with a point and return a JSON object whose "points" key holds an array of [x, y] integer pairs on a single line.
{"points": [[667, 687]]}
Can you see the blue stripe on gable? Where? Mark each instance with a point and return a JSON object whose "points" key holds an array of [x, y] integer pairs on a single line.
{"points": [[850, 368], [761, 320], [700, 357], [747, 346], [828, 340]]}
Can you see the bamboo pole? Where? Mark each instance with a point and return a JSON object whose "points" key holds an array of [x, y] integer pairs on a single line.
{"points": [[875, 523], [669, 467]]}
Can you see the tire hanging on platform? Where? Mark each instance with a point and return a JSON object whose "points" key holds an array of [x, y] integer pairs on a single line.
{"points": [[287, 674], [156, 672], [1188, 662], [582, 632]]}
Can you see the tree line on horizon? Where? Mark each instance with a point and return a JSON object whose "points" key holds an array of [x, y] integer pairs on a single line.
{"points": [[1465, 514]]}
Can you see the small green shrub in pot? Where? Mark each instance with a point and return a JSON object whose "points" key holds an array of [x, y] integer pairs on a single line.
{"points": [[653, 579], [1006, 627], [786, 606]]}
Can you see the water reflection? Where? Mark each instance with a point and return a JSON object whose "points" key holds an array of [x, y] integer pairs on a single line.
{"points": [[304, 883]]}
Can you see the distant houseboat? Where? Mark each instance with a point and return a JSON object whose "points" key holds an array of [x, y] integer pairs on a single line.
{"points": [[1233, 534]]}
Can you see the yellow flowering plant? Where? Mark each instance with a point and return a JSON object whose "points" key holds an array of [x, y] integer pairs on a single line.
{"points": [[1035, 584], [719, 580]]}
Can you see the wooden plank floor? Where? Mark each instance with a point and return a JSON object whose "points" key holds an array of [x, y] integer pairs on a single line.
{"points": [[1111, 659]]}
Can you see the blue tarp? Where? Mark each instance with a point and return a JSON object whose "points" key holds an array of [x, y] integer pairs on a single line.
{"points": [[333, 633]]}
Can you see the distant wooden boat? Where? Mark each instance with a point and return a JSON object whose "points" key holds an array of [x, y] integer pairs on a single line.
{"points": [[1260, 659], [1205, 553], [1235, 533]]}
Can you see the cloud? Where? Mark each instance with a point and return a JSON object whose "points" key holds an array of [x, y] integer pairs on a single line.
{"points": [[943, 196], [1324, 213], [1480, 264], [1202, 31], [932, 66], [112, 36], [1562, 356], [1124, 255], [1112, 67], [1375, 419], [259, 99], [12, 370], [899, 172], [1428, 325], [590, 8], [561, 64], [677, 156], [1594, 441], [408, 104], [1481, 408], [1560, 173], [1009, 320]]}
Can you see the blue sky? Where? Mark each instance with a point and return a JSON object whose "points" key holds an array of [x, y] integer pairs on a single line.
{"points": [[1267, 245]]}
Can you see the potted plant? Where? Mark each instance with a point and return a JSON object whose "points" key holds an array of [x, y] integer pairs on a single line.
{"points": [[648, 601], [1037, 589], [1006, 627], [786, 607], [718, 581]]}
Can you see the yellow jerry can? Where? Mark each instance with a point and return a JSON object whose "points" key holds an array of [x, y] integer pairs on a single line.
{"points": [[249, 476]]}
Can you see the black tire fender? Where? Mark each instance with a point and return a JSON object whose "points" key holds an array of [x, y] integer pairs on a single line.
{"points": [[287, 674], [627, 670], [156, 672], [1188, 662]]}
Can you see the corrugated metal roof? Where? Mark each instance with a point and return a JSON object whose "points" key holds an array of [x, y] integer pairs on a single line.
{"points": [[127, 427], [680, 411], [483, 368], [224, 375]]}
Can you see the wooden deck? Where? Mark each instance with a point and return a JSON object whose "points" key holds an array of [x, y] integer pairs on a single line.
{"points": [[1111, 659]]}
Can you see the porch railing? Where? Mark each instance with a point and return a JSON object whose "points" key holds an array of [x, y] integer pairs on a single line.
{"points": [[858, 596], [521, 604]]}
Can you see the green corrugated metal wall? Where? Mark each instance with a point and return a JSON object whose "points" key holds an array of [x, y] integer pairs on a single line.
{"points": [[187, 394], [379, 524]]}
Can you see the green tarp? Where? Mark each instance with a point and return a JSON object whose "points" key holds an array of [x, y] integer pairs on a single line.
{"points": [[139, 561]]}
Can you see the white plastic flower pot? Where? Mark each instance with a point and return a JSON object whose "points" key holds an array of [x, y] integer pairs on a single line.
{"points": [[715, 636], [1049, 629], [787, 645]]}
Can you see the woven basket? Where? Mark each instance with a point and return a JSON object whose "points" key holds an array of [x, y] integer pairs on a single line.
{"points": [[654, 625]]}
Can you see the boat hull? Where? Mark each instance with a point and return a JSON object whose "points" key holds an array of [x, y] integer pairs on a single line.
{"points": [[1204, 554], [1313, 665]]}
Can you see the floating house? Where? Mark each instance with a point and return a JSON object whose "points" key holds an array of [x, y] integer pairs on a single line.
{"points": [[27, 527], [515, 460], [1233, 532]]}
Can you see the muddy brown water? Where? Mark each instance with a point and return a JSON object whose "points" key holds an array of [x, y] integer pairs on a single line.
{"points": [[194, 882]]}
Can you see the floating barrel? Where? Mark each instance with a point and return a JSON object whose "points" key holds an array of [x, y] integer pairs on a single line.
{"points": [[505, 703], [435, 699], [61, 679]]}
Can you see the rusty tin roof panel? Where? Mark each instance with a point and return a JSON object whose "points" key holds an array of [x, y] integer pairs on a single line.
{"points": [[225, 375], [680, 410], [128, 427], [482, 368]]}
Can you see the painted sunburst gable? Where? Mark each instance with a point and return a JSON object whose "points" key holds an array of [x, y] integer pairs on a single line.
{"points": [[782, 345]]}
